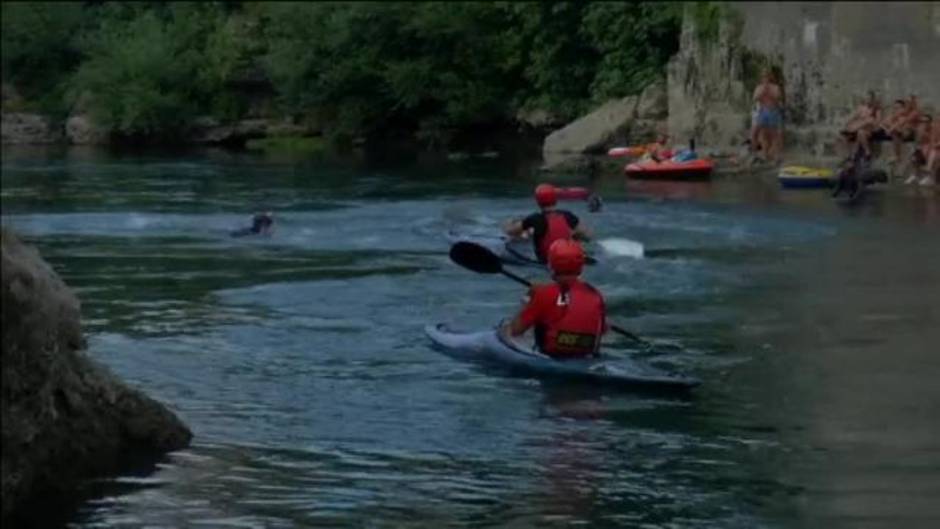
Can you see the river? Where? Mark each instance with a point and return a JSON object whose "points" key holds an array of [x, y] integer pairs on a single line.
{"points": [[301, 365]]}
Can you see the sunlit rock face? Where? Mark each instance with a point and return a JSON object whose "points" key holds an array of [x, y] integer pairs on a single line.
{"points": [[829, 56]]}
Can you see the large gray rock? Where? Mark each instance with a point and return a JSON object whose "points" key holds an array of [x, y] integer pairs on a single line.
{"points": [[593, 132], [81, 130], [64, 417], [208, 130], [538, 119], [616, 122], [653, 103], [19, 128], [10, 99], [708, 99]]}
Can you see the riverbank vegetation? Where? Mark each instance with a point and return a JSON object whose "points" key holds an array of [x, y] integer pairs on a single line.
{"points": [[425, 70]]}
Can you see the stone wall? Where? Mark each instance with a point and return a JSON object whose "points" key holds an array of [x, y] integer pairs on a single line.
{"points": [[830, 54]]}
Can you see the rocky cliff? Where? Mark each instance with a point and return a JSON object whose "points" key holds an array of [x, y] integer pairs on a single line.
{"points": [[64, 417], [828, 54]]}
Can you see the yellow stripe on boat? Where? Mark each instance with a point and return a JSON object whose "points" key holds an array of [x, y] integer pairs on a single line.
{"points": [[800, 171]]}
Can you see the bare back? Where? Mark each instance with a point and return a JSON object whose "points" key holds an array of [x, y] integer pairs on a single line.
{"points": [[767, 95]]}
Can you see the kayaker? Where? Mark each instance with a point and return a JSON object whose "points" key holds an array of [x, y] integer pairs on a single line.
{"points": [[548, 225], [261, 224], [569, 314]]}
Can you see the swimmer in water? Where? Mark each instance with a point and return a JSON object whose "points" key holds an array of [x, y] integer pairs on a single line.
{"points": [[261, 224]]}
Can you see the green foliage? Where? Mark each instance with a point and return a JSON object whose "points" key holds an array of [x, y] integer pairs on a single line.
{"points": [[558, 64], [365, 67], [39, 48], [709, 16], [288, 144], [426, 69], [633, 55], [149, 72]]}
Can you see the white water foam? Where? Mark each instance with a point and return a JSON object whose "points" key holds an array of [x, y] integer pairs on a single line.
{"points": [[622, 247]]}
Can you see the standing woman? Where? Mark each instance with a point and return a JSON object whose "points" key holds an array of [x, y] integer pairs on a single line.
{"points": [[769, 127]]}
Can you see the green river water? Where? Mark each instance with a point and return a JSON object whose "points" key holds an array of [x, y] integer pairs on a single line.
{"points": [[300, 362]]}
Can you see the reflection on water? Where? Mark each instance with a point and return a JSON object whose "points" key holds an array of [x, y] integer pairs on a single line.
{"points": [[300, 362]]}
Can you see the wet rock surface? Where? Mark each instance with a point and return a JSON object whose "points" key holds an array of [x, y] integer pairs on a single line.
{"points": [[64, 417], [21, 128]]}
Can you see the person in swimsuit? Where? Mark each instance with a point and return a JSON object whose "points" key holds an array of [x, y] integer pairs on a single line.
{"points": [[896, 127], [903, 129], [769, 119], [861, 124]]}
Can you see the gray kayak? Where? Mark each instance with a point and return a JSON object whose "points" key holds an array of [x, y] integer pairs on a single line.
{"points": [[488, 346]]}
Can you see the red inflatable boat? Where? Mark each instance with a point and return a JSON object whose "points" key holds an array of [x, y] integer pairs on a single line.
{"points": [[670, 170]]}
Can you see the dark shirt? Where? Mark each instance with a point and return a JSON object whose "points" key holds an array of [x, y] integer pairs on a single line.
{"points": [[260, 222], [539, 225]]}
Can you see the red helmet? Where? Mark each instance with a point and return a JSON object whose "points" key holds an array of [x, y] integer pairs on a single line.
{"points": [[546, 195], [566, 257]]}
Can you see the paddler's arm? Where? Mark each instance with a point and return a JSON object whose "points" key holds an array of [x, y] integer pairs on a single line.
{"points": [[515, 327], [581, 233], [513, 228], [526, 317]]}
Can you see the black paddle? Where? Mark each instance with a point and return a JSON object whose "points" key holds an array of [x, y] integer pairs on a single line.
{"points": [[481, 260]]}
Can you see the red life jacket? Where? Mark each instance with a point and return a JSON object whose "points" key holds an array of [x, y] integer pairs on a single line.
{"points": [[575, 324], [556, 227]]}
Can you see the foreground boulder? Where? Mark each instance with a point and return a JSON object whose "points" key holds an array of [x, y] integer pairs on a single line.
{"points": [[64, 417]]}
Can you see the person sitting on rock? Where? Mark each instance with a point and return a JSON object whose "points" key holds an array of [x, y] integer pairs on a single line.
{"points": [[861, 124], [920, 158], [904, 129], [932, 166], [896, 127]]}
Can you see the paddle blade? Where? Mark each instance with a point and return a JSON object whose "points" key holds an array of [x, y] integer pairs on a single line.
{"points": [[622, 247], [475, 257]]}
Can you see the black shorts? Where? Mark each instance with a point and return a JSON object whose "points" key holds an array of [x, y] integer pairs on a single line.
{"points": [[880, 135], [918, 157], [851, 136]]}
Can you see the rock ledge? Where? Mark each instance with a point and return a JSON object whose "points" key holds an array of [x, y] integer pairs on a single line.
{"points": [[65, 418]]}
